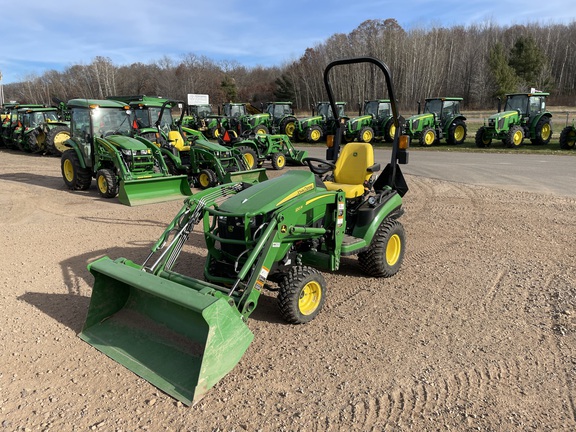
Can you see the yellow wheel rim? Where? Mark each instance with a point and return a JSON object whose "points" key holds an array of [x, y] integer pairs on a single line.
{"points": [[260, 132], [367, 136], [429, 138], [393, 249], [102, 184], [546, 130], [459, 133], [204, 180], [310, 298], [392, 131], [249, 159], [517, 138], [216, 133], [315, 135], [281, 161], [290, 129], [60, 139], [68, 170]]}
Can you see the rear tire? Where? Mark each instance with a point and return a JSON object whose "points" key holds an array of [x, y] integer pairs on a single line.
{"points": [[568, 138], [543, 131], [107, 183], [301, 295], [207, 179], [386, 252], [288, 126], [75, 177], [56, 138], [389, 131], [278, 161], [250, 156], [457, 132]]}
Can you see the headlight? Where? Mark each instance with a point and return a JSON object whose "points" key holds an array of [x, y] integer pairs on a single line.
{"points": [[127, 152]]}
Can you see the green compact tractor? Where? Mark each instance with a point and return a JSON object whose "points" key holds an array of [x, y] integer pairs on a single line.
{"points": [[441, 119], [43, 130], [524, 115], [101, 146], [321, 124], [12, 124], [207, 164], [201, 118], [374, 121], [276, 148], [568, 136], [184, 334], [281, 118]]}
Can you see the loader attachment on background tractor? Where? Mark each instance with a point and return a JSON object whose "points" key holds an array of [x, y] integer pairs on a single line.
{"points": [[153, 190]]}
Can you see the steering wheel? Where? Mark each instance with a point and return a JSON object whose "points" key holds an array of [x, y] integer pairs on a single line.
{"points": [[323, 166]]}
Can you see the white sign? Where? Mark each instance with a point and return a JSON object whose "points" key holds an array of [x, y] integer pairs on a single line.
{"points": [[198, 99]]}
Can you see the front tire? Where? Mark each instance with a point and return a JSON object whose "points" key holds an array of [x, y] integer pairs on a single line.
{"points": [[260, 130], [313, 134], [366, 134], [107, 183], [288, 127], [568, 138], [207, 178], [427, 137], [278, 161], [75, 177], [389, 131], [386, 252], [482, 138], [515, 137], [301, 295]]}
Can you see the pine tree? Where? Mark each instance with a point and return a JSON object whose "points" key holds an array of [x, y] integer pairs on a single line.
{"points": [[503, 75]]}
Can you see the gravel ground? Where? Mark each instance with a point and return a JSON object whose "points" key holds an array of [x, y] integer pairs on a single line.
{"points": [[476, 332]]}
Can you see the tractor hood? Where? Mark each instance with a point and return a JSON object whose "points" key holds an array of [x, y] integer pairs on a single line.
{"points": [[271, 194], [417, 122], [499, 121], [310, 121], [125, 142], [210, 146]]}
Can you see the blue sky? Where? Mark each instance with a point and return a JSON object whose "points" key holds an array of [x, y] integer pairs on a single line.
{"points": [[40, 36]]}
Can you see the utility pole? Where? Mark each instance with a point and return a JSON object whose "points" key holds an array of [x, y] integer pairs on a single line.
{"points": [[1, 91]]}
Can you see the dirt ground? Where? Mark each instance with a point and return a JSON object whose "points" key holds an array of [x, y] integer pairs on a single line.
{"points": [[476, 332]]}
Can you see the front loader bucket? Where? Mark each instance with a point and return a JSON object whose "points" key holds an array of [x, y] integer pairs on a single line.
{"points": [[180, 340], [251, 176], [297, 157], [153, 190]]}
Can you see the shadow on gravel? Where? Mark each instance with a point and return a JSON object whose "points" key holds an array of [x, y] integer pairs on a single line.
{"points": [[46, 181], [67, 309]]}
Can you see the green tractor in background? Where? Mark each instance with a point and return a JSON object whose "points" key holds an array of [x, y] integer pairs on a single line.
{"points": [[185, 151], [374, 121], [321, 124], [568, 135], [182, 333], [101, 146], [12, 125], [276, 148], [281, 118], [201, 118], [440, 119], [43, 130], [524, 115]]}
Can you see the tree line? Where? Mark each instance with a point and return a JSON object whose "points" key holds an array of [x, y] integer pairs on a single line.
{"points": [[477, 62]]}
